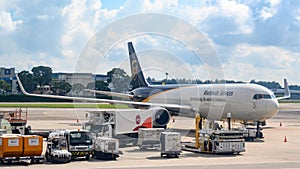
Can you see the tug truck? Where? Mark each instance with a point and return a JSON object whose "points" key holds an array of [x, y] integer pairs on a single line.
{"points": [[79, 143], [124, 124], [17, 147], [56, 151]]}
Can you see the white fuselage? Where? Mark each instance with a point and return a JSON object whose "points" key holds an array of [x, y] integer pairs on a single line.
{"points": [[246, 102]]}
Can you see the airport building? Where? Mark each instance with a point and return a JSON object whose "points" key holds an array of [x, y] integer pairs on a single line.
{"points": [[9, 76], [79, 78]]}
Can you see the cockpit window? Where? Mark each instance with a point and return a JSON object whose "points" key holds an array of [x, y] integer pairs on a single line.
{"points": [[262, 96]]}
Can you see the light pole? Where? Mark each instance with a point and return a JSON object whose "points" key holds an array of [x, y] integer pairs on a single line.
{"points": [[167, 76]]}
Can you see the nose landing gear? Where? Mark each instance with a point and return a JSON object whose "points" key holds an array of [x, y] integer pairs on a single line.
{"points": [[259, 134]]}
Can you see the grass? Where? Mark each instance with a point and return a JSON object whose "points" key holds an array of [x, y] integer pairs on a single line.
{"points": [[289, 101], [63, 105]]}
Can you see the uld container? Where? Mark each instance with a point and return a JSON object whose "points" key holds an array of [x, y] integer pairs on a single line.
{"points": [[33, 145], [11, 145]]}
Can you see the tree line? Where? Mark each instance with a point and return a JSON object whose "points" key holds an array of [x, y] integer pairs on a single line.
{"points": [[41, 76]]}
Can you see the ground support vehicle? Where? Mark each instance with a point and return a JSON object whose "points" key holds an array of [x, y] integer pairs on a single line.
{"points": [[16, 148], [17, 120], [121, 124], [149, 138], [56, 151], [170, 144], [105, 148], [5, 127], [79, 143], [218, 141], [251, 133]]}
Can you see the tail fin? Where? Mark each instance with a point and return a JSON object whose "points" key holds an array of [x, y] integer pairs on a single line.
{"points": [[137, 76]]}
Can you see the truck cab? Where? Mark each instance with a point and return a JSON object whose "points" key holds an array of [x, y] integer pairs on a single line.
{"points": [[79, 143]]}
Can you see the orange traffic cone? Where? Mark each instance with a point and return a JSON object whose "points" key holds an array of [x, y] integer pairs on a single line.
{"points": [[280, 124], [285, 140]]}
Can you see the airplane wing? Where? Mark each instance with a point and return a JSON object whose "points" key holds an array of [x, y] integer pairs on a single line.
{"points": [[121, 95], [287, 93], [171, 106]]}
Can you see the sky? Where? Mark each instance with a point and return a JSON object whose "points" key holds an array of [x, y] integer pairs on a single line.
{"points": [[252, 39]]}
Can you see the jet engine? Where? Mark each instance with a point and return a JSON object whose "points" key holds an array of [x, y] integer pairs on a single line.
{"points": [[160, 116]]}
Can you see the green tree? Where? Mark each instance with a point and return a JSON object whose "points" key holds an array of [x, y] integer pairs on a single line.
{"points": [[60, 88], [42, 75], [27, 81], [4, 87], [119, 78]]}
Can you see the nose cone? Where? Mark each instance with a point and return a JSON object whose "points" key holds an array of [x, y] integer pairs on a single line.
{"points": [[272, 108]]}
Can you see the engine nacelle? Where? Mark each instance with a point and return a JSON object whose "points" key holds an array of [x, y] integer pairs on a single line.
{"points": [[160, 116]]}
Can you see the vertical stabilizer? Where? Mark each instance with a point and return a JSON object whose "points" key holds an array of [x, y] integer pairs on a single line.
{"points": [[137, 76]]}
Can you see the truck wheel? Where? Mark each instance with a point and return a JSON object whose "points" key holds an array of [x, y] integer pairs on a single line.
{"points": [[33, 161], [48, 159], [87, 157]]}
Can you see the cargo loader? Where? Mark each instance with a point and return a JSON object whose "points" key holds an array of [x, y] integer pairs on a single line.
{"points": [[216, 141], [16, 148]]}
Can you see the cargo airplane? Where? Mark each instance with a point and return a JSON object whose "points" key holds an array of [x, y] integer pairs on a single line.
{"points": [[245, 102]]}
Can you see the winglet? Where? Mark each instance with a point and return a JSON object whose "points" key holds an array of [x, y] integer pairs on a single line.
{"points": [[287, 93], [21, 85]]}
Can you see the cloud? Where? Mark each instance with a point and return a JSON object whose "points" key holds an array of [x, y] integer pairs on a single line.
{"points": [[247, 34], [270, 10], [7, 23], [271, 63]]}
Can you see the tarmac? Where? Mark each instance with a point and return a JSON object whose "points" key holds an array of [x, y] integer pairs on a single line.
{"points": [[270, 152]]}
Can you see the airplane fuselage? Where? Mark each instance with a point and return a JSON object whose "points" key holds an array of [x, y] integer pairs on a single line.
{"points": [[246, 102]]}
